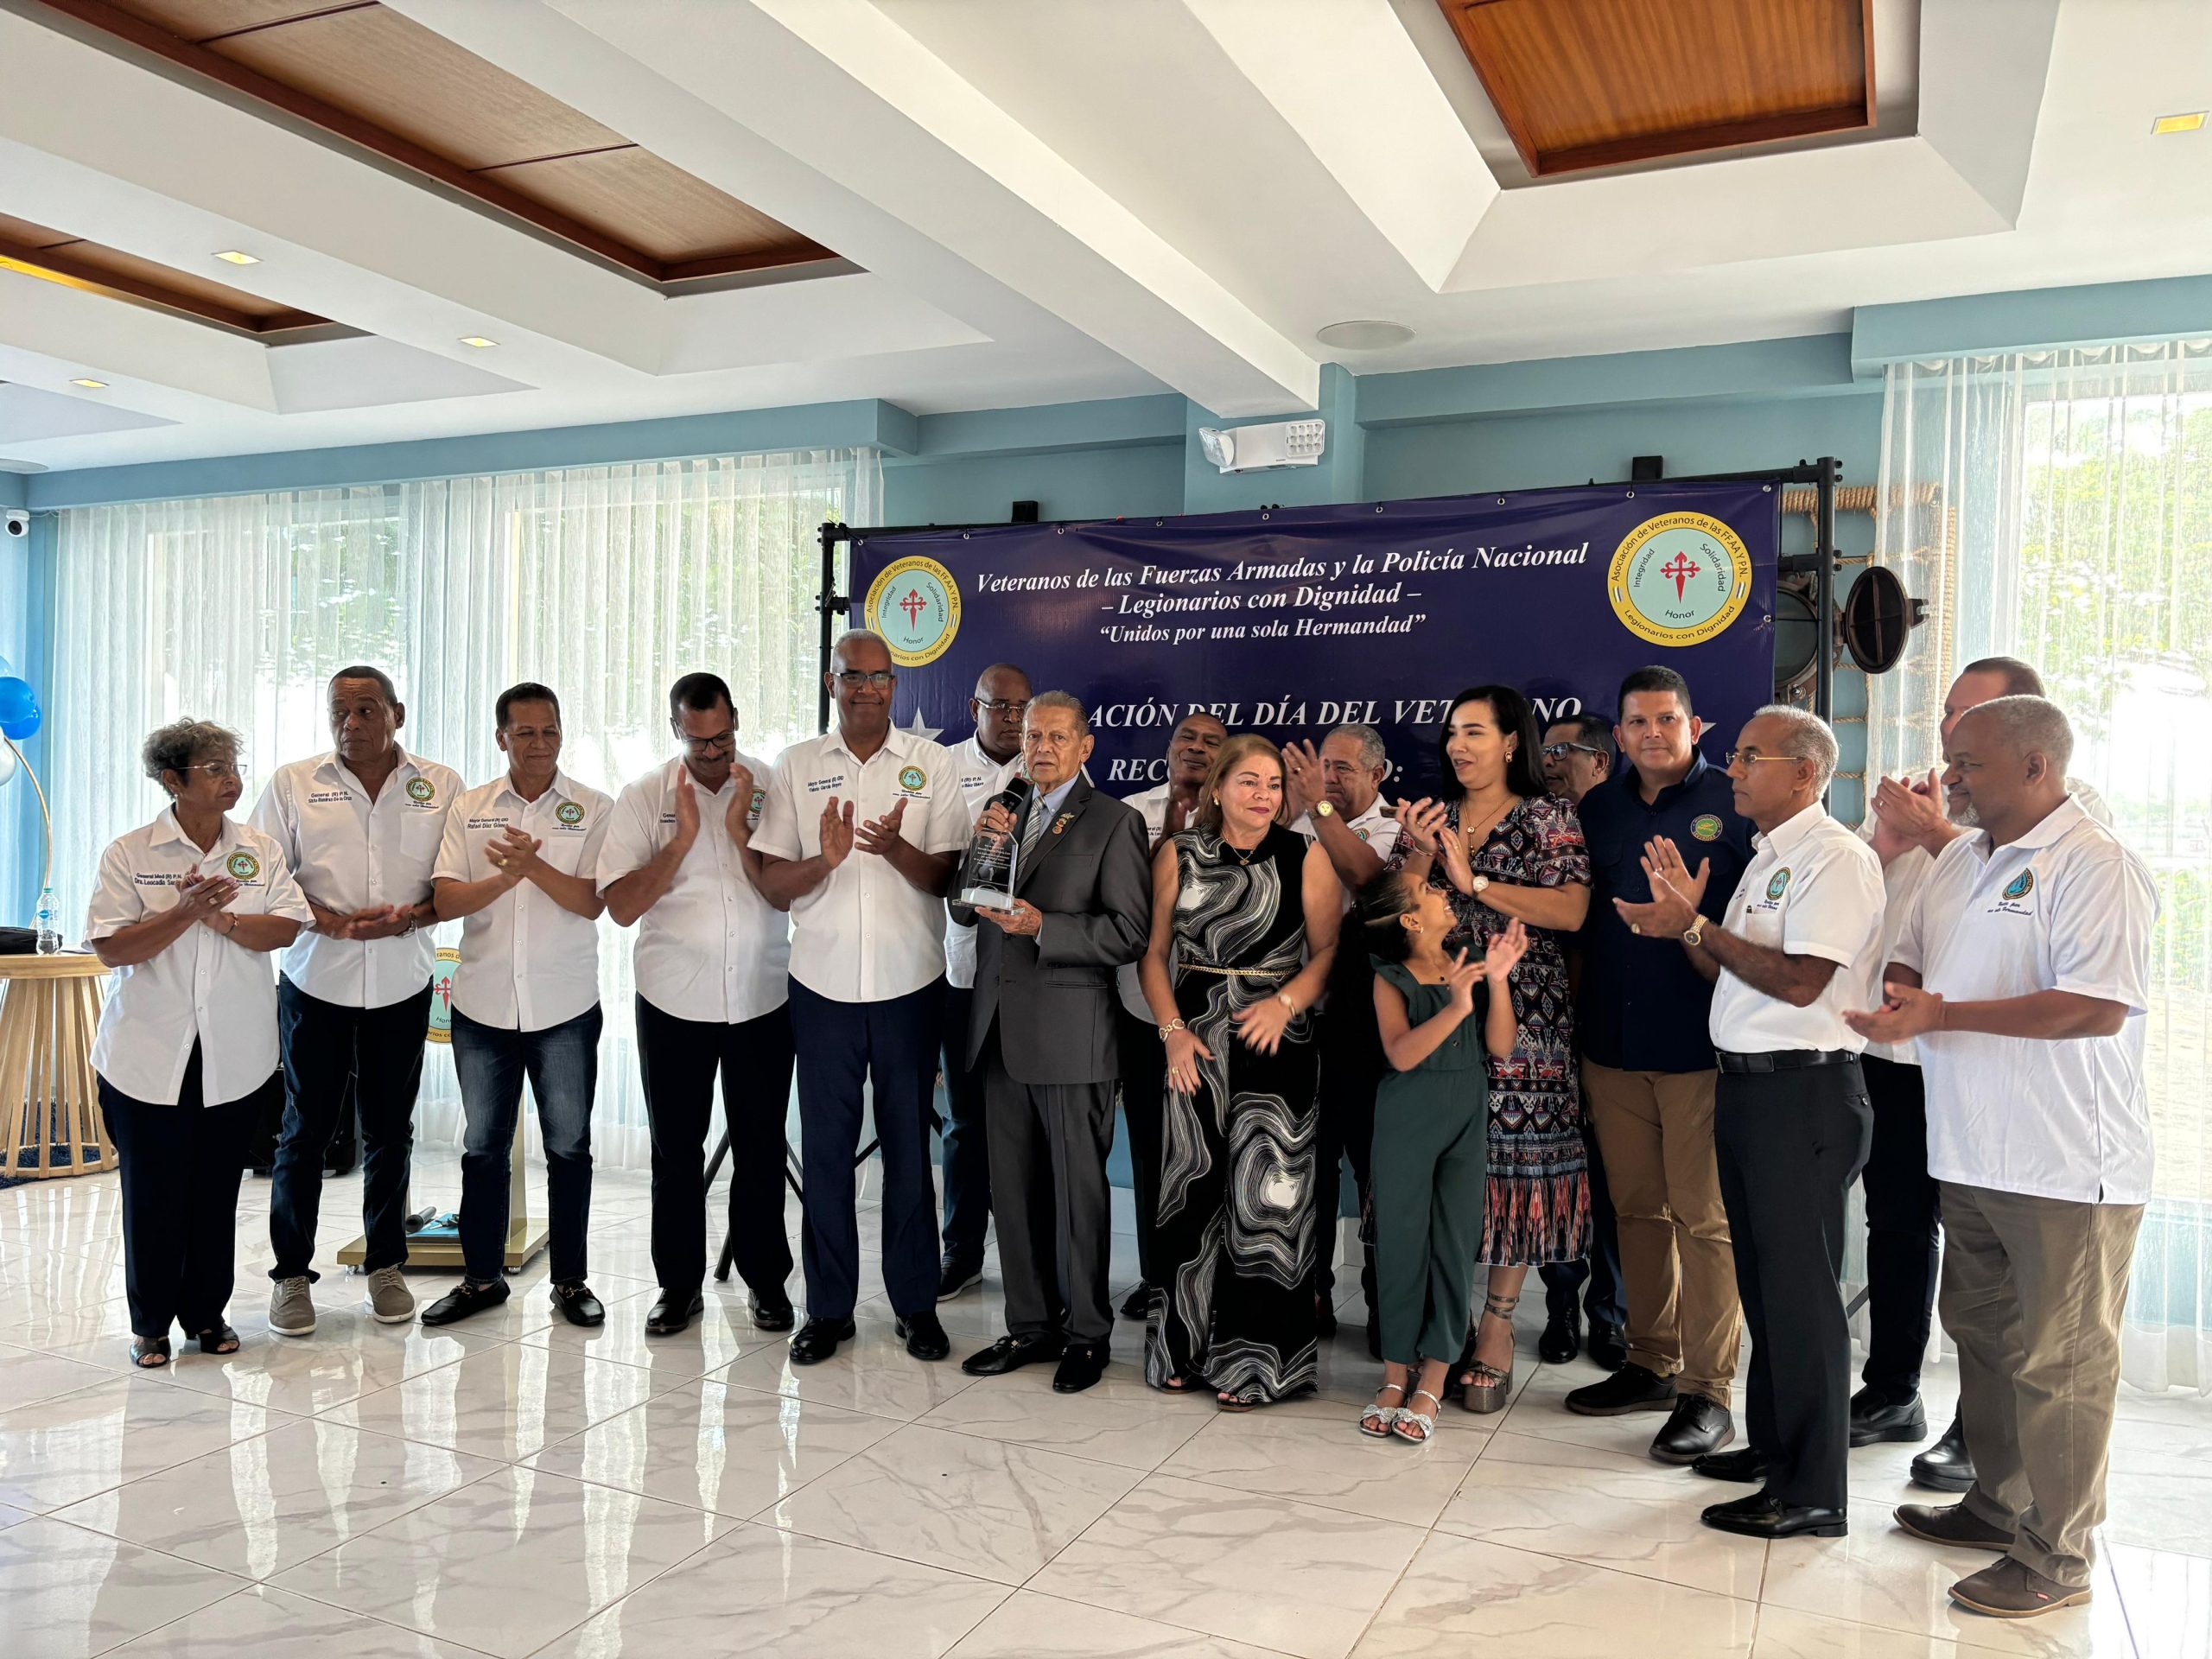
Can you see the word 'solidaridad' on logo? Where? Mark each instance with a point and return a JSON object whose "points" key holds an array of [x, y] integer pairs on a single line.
{"points": [[243, 867], [1705, 827], [1679, 579], [915, 604], [421, 790]]}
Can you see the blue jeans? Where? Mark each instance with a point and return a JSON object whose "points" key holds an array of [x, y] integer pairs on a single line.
{"points": [[562, 1064]]}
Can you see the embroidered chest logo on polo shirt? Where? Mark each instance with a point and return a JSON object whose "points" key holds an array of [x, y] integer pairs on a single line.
{"points": [[2021, 884], [568, 814], [1705, 827], [243, 867], [912, 778], [752, 812], [2010, 901], [422, 791], [1778, 883]]}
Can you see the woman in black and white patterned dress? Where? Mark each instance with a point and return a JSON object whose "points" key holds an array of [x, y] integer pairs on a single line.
{"points": [[1244, 926]]}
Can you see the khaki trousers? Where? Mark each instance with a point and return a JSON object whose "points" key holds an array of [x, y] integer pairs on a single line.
{"points": [[1654, 1130], [2032, 1293]]}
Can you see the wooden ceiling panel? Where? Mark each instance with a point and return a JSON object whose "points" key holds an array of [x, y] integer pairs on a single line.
{"points": [[1593, 83], [420, 86], [202, 20], [24, 234], [41, 251], [655, 207]]}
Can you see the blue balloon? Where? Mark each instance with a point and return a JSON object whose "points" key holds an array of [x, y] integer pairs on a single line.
{"points": [[16, 700], [23, 726]]}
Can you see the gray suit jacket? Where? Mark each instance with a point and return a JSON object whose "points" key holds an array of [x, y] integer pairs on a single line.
{"points": [[1053, 996]]}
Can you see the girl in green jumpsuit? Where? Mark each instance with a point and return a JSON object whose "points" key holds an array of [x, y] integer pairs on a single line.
{"points": [[1439, 1016]]}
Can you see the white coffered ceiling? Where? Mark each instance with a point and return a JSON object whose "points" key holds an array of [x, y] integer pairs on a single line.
{"points": [[1040, 200]]}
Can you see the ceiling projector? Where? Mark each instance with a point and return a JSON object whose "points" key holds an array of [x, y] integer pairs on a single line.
{"points": [[1253, 448]]}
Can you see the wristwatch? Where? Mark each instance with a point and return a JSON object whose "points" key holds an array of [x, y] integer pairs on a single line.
{"points": [[1694, 933], [1478, 885], [1324, 809]]}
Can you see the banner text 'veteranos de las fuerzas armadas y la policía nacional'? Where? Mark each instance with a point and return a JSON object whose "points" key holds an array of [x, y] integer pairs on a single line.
{"points": [[1293, 621]]}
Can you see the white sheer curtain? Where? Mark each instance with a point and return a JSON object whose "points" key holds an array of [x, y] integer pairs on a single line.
{"points": [[605, 583], [2057, 506]]}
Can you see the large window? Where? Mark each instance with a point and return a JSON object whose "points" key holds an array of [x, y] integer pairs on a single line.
{"points": [[605, 583], [2057, 506]]}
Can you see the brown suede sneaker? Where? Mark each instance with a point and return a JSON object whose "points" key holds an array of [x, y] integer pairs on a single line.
{"points": [[2014, 1590], [1952, 1524]]}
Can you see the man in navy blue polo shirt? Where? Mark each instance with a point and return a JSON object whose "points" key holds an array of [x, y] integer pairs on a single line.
{"points": [[1649, 1070]]}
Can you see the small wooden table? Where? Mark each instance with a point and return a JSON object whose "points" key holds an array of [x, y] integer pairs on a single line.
{"points": [[50, 1122]]}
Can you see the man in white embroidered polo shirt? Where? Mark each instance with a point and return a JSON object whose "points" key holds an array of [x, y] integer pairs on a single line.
{"points": [[2022, 973], [862, 829], [360, 828], [517, 870]]}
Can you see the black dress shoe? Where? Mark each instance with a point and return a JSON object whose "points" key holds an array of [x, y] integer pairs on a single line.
{"points": [[1760, 1517], [672, 1310], [1698, 1426], [1137, 1305], [1562, 1337], [767, 1315], [818, 1338], [463, 1300], [578, 1305], [1608, 1345], [1324, 1318], [1945, 1466], [1082, 1364], [1747, 1463], [1877, 1415], [954, 1277], [1011, 1353], [926, 1338], [1630, 1389]]}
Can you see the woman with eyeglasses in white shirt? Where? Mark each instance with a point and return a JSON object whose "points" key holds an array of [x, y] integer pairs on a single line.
{"points": [[186, 910]]}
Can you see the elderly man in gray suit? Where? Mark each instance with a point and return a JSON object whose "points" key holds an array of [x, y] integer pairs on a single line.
{"points": [[1041, 1030]]}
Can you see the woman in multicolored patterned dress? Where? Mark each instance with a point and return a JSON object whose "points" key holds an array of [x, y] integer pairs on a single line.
{"points": [[1502, 850]]}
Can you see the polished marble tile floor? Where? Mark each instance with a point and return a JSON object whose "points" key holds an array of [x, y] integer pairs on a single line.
{"points": [[516, 1486]]}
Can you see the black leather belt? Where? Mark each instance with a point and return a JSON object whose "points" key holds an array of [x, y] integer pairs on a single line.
{"points": [[1783, 1059]]}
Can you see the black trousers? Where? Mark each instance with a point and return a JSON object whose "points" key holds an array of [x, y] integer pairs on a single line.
{"points": [[1049, 1143], [1144, 1095], [677, 1061], [1352, 1070], [180, 1166], [1903, 1227], [967, 1144], [1597, 1275], [1788, 1145], [381, 1049]]}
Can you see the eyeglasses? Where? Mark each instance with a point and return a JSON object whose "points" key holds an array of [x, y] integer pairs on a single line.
{"points": [[1002, 705], [718, 744], [1749, 756], [878, 680], [217, 769], [1560, 751]]}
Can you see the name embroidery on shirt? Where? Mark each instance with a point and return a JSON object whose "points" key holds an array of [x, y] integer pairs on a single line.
{"points": [[326, 797], [498, 822], [819, 785]]}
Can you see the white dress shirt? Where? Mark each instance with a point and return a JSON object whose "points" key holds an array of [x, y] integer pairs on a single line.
{"points": [[712, 949], [1903, 877], [2066, 908], [867, 934], [202, 987], [1375, 827], [527, 963], [1813, 888], [980, 779], [349, 853], [1152, 805]]}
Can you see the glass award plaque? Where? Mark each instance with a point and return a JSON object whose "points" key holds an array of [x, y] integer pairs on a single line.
{"points": [[987, 871]]}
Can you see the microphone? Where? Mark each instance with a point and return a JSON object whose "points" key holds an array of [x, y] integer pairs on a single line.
{"points": [[986, 872]]}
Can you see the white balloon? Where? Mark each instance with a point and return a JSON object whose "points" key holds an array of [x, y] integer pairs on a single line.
{"points": [[7, 763]]}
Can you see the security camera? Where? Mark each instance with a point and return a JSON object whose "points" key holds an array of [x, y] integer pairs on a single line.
{"points": [[19, 522]]}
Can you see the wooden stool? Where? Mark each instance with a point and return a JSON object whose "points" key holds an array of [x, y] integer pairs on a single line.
{"points": [[50, 1122]]}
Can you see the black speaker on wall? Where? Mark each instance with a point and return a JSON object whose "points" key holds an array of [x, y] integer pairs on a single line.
{"points": [[1647, 469], [1025, 512]]}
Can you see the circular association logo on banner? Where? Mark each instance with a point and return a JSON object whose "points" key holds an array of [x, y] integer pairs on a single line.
{"points": [[915, 604], [1679, 579], [441, 973]]}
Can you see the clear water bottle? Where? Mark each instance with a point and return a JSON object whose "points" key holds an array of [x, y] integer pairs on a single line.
{"points": [[49, 935]]}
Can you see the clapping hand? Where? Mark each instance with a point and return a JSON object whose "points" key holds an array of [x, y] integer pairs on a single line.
{"points": [[1453, 846], [687, 810], [1676, 893], [379, 922], [837, 833], [513, 854], [1422, 822], [1460, 980], [880, 836], [1503, 954], [1909, 1011], [737, 820], [201, 896], [1304, 785], [1914, 809]]}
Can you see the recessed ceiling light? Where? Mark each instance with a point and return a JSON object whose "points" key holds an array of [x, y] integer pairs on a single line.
{"points": [[2193, 122], [232, 257], [1365, 336], [92, 385], [479, 342]]}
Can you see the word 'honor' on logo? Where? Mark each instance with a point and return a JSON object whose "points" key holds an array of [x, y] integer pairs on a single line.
{"points": [[915, 604], [1679, 579]]}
